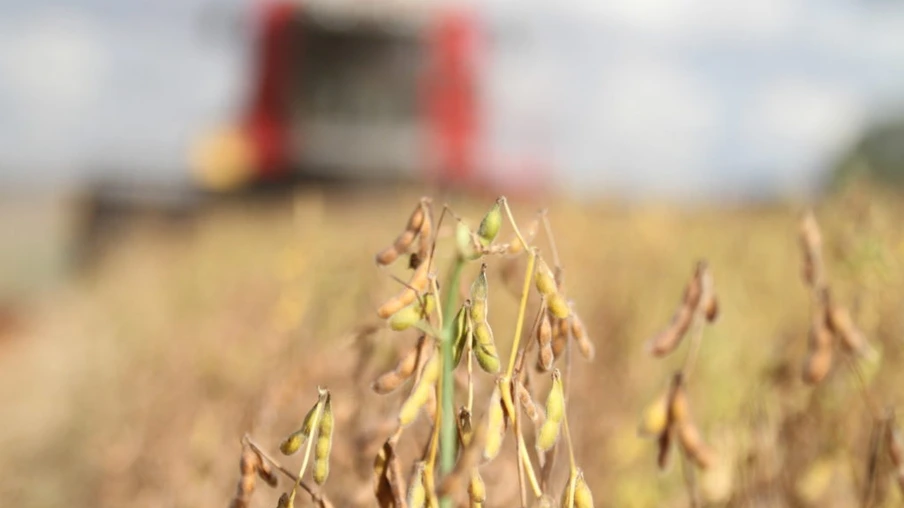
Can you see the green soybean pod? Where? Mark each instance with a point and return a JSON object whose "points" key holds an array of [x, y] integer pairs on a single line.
{"points": [[485, 348], [489, 226]]}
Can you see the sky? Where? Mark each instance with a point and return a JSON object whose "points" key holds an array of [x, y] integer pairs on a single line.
{"points": [[686, 98]]}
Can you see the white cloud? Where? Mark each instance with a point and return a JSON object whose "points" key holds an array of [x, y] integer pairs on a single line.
{"points": [[52, 70], [697, 21], [797, 125], [635, 96], [54, 62], [82, 92], [651, 126]]}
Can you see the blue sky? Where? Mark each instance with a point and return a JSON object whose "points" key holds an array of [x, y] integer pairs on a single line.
{"points": [[664, 97]]}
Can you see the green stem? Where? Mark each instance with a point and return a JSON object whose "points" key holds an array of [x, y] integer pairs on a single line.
{"points": [[447, 436], [519, 325]]}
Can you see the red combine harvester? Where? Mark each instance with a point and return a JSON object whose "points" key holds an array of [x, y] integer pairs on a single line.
{"points": [[356, 90]]}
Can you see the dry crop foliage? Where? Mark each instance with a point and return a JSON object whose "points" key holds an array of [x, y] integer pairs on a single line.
{"points": [[831, 325], [669, 415], [317, 427], [453, 336]]}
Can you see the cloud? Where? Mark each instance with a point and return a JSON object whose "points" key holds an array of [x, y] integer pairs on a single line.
{"points": [[85, 90], [649, 125], [52, 70], [696, 22], [797, 125], [54, 61], [674, 96]]}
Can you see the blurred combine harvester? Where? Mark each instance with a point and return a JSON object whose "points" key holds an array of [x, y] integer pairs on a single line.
{"points": [[354, 91], [364, 90]]}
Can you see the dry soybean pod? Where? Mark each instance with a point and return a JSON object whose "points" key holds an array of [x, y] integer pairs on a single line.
{"points": [[477, 490], [545, 356], [711, 308], [817, 365], [465, 430], [485, 345], [417, 495], [544, 280], [679, 410], [411, 314], [495, 425], [527, 402], [393, 379], [819, 360], [485, 348], [560, 332], [555, 412], [479, 296], [266, 473], [324, 443], [709, 304], [406, 238], [425, 237], [674, 402], [418, 283], [811, 245], [568, 493], [293, 441], [583, 498], [379, 479], [579, 332], [399, 246], [248, 466], [840, 322], [669, 339], [285, 501], [655, 417], [421, 392], [558, 306], [462, 333], [664, 447], [696, 449]]}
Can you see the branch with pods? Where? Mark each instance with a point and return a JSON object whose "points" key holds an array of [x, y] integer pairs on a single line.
{"points": [[454, 335], [457, 335], [669, 416], [831, 325]]}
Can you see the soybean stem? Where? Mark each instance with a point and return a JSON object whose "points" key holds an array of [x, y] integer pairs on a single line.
{"points": [[519, 325], [524, 462], [573, 471], [572, 463], [430, 466], [511, 218], [447, 423]]}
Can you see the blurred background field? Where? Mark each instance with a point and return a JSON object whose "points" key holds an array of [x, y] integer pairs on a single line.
{"points": [[133, 381], [192, 192]]}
